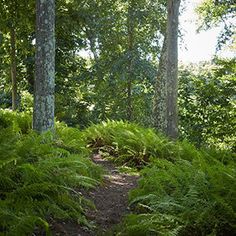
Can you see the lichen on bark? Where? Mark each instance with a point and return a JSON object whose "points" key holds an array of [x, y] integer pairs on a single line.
{"points": [[43, 117], [165, 102]]}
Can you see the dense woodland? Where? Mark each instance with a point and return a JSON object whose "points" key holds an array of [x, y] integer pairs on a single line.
{"points": [[79, 78]]}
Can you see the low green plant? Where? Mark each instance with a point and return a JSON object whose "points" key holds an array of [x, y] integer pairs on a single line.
{"points": [[152, 224], [182, 190], [41, 178], [128, 143], [19, 121], [133, 145], [26, 102], [183, 198], [71, 139]]}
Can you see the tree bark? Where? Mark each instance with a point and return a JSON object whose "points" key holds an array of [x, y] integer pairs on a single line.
{"points": [[43, 117], [160, 122], [13, 68], [172, 68], [130, 24], [165, 99]]}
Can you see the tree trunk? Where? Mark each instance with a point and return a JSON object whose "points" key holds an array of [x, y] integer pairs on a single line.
{"points": [[13, 68], [130, 24], [43, 117], [165, 100], [172, 68], [160, 122]]}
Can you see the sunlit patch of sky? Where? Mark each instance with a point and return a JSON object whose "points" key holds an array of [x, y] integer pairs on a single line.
{"points": [[200, 46]]}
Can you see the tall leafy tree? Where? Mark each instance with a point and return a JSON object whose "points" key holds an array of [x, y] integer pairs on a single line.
{"points": [[160, 118], [9, 26], [13, 67], [131, 35], [207, 108], [16, 29], [127, 39], [43, 117]]}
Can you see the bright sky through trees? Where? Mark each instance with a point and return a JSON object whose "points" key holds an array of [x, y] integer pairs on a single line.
{"points": [[197, 46]]}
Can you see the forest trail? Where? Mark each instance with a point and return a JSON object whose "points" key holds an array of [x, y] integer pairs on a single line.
{"points": [[110, 199]]}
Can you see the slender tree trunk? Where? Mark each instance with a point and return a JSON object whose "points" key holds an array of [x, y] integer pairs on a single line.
{"points": [[130, 23], [13, 68], [172, 68], [129, 100], [30, 76], [165, 102], [43, 117], [160, 122]]}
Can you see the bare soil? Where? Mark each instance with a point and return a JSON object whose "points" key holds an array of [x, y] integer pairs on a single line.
{"points": [[110, 199]]}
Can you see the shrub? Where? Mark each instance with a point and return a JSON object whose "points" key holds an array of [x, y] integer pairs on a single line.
{"points": [[128, 143], [71, 139], [134, 145], [26, 102], [183, 198], [20, 122], [41, 180]]}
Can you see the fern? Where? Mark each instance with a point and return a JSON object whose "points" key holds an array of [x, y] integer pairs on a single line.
{"points": [[127, 143], [149, 224], [19, 122], [135, 146], [38, 178], [199, 194], [182, 190], [71, 139], [21, 224]]}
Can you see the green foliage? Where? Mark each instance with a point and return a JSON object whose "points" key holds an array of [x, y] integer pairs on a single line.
{"points": [[133, 145], [41, 178], [149, 224], [128, 143], [182, 190], [25, 224], [20, 122], [97, 83], [183, 198], [207, 104], [18, 17], [71, 139], [26, 103], [218, 12]]}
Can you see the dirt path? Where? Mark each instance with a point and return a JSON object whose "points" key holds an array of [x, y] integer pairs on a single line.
{"points": [[110, 199]]}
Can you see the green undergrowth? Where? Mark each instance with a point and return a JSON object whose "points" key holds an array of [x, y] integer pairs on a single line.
{"points": [[132, 145], [183, 198], [18, 121], [181, 191], [128, 143], [41, 177]]}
